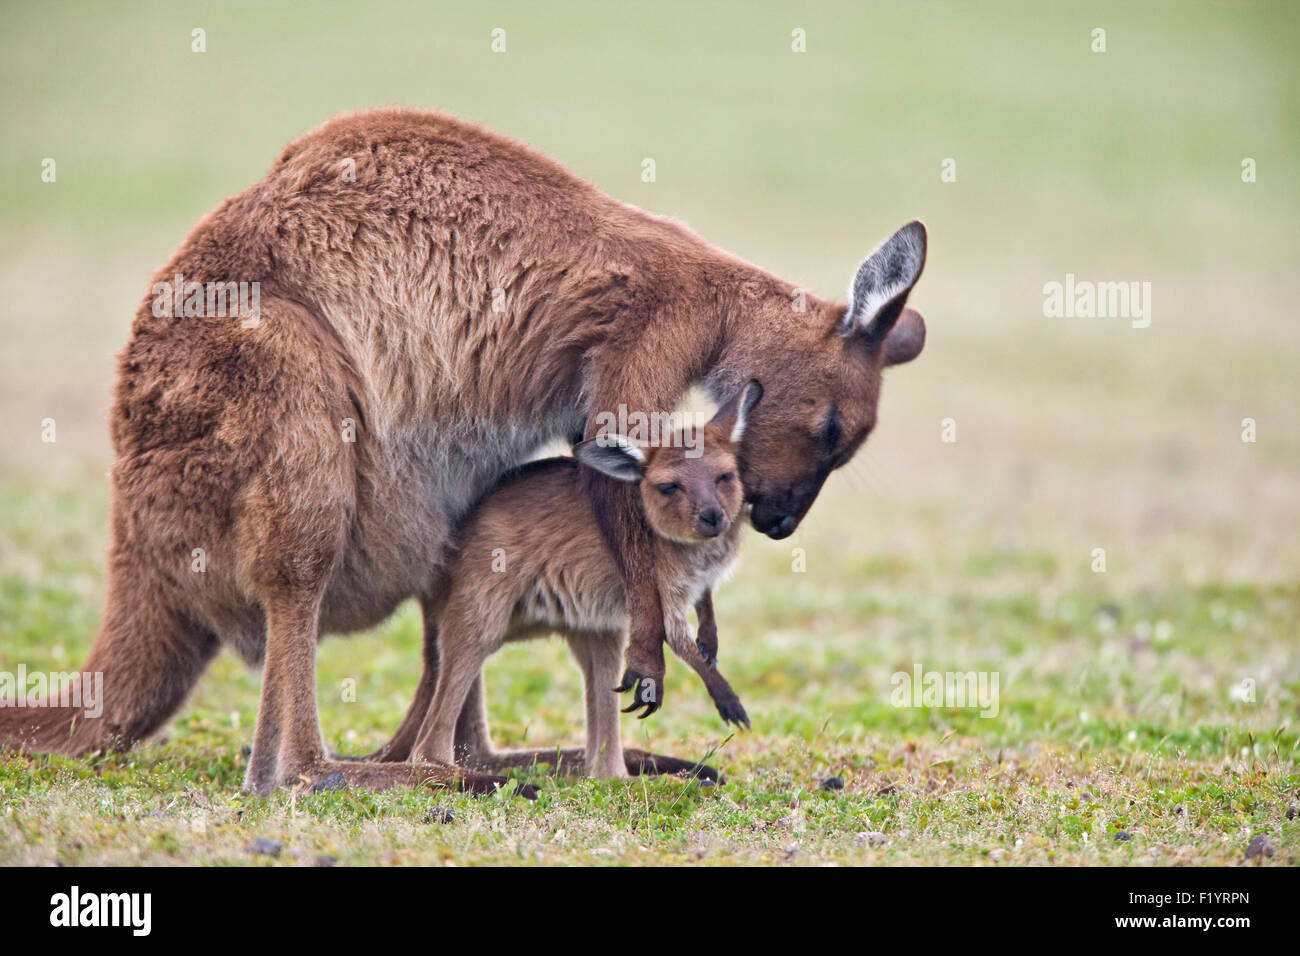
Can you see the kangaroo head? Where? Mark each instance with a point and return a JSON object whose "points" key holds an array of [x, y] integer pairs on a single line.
{"points": [[821, 371], [691, 491]]}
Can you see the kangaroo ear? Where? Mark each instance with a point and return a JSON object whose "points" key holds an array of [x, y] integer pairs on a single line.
{"points": [[880, 287], [734, 413], [612, 455], [905, 339]]}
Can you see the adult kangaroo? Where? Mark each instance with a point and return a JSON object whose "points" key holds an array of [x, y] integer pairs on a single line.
{"points": [[434, 302]]}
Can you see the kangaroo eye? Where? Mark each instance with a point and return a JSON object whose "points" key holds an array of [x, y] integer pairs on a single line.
{"points": [[834, 429], [726, 477], [667, 489]]}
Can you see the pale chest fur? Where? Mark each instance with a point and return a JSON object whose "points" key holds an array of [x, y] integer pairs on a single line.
{"points": [[686, 571]]}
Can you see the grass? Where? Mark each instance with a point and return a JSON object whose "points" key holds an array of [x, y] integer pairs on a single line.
{"points": [[1104, 726], [1122, 704]]}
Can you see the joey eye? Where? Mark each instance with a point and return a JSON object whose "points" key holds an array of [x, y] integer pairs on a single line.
{"points": [[726, 477], [667, 489]]}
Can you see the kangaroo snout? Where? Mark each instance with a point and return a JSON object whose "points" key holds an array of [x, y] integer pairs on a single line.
{"points": [[778, 527], [775, 519], [777, 511]]}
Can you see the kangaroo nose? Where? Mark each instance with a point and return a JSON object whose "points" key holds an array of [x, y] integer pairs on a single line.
{"points": [[711, 519]]}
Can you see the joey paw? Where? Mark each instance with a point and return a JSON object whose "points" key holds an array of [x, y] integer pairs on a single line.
{"points": [[646, 692], [732, 711]]}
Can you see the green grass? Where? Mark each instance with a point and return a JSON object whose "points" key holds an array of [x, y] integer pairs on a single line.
{"points": [[1117, 705], [1103, 726]]}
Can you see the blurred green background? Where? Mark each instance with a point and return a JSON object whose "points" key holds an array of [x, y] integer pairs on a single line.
{"points": [[1072, 434]]}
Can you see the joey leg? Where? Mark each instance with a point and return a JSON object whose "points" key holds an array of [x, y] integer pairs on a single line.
{"points": [[599, 656], [644, 667], [707, 638], [724, 698], [624, 529]]}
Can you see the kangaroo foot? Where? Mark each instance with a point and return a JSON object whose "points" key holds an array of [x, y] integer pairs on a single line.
{"points": [[564, 762], [571, 762], [369, 775], [643, 762]]}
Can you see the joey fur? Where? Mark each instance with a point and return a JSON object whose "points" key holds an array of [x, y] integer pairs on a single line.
{"points": [[530, 560]]}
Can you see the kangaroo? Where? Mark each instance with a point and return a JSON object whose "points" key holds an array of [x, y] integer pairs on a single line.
{"points": [[436, 301], [559, 575]]}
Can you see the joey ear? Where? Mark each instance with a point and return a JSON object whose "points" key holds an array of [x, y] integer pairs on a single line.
{"points": [[733, 416], [906, 339], [750, 397], [612, 455], [880, 287]]}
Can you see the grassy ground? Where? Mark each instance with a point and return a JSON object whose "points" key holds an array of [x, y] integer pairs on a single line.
{"points": [[1126, 703]]}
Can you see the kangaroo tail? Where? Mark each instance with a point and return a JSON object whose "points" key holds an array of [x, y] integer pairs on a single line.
{"points": [[140, 670]]}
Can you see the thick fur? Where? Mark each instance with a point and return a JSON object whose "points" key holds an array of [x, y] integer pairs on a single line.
{"points": [[377, 306]]}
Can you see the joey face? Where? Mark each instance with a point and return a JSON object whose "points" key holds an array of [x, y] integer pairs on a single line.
{"points": [[691, 499], [691, 490], [821, 378]]}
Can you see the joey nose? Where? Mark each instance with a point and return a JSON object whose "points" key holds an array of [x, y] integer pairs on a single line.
{"points": [[710, 521]]}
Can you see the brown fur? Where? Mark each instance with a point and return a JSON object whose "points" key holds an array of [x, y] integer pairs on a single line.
{"points": [[377, 295], [531, 560]]}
